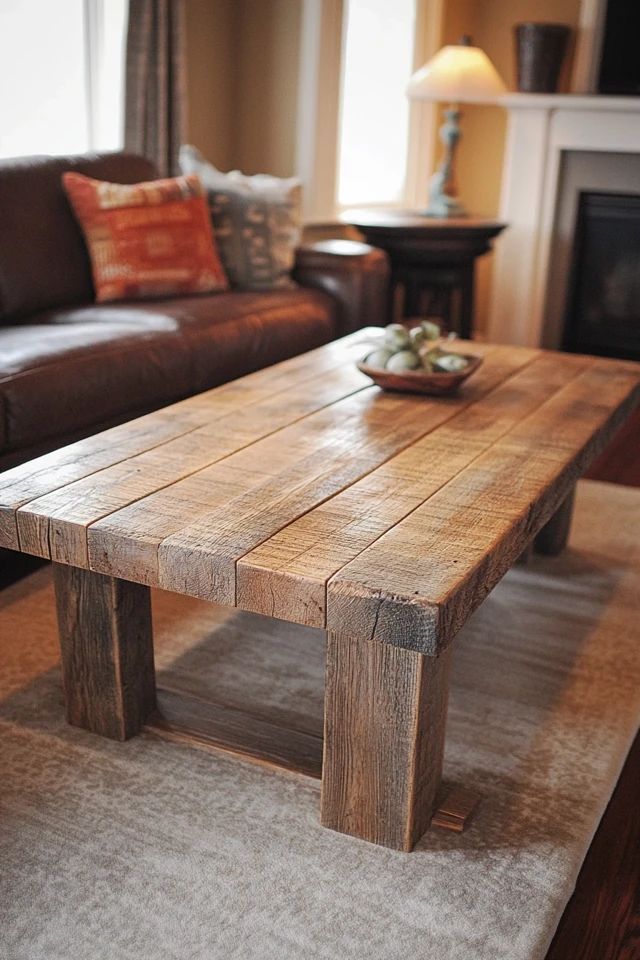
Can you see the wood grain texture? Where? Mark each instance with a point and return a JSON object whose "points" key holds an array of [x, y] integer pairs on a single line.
{"points": [[53, 471], [188, 719], [189, 536], [56, 525], [107, 651], [385, 718], [286, 576], [200, 559], [420, 581], [554, 536]]}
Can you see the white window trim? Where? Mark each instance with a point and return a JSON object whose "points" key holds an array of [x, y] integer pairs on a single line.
{"points": [[95, 15], [321, 47]]}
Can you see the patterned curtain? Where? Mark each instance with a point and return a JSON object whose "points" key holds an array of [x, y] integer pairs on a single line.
{"points": [[155, 88]]}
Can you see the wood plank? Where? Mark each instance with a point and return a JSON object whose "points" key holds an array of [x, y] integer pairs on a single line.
{"points": [[55, 525], [54, 470], [385, 718], [187, 719], [419, 582], [107, 652], [200, 559], [342, 437], [286, 576]]}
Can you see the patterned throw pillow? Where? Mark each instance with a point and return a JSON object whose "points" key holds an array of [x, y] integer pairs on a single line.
{"points": [[256, 222], [146, 240]]}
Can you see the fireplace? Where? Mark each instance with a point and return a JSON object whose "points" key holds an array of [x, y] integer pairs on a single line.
{"points": [[603, 305], [564, 153]]}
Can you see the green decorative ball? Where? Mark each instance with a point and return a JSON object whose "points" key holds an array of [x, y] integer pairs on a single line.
{"points": [[450, 363], [396, 337], [418, 336], [402, 361], [431, 330], [378, 358]]}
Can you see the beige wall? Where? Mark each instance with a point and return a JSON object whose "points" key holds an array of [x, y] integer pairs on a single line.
{"points": [[242, 82], [269, 46], [212, 76]]}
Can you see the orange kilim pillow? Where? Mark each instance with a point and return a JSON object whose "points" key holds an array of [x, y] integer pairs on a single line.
{"points": [[146, 240]]}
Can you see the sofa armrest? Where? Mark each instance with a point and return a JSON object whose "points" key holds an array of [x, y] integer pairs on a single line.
{"points": [[354, 274]]}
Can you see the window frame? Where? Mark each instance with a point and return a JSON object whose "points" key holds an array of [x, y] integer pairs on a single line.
{"points": [[320, 84], [98, 79]]}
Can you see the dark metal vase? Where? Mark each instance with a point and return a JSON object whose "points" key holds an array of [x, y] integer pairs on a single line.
{"points": [[540, 50]]}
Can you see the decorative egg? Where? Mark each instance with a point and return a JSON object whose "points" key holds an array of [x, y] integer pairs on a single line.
{"points": [[431, 330], [418, 336], [378, 358], [450, 363], [404, 360], [434, 355], [396, 337]]}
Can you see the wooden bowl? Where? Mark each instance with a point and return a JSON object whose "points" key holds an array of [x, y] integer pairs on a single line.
{"points": [[418, 381]]}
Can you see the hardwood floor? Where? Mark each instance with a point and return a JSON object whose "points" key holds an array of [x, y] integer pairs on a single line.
{"points": [[602, 919]]}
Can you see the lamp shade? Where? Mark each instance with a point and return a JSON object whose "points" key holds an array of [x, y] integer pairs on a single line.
{"points": [[457, 74]]}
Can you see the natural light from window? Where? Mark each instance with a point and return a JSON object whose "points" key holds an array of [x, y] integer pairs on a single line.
{"points": [[374, 112], [61, 76]]}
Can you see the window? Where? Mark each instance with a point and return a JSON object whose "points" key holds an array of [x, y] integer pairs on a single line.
{"points": [[377, 62], [61, 75], [359, 140]]}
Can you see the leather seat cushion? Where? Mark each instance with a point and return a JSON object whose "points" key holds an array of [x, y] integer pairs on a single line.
{"points": [[56, 378], [70, 370], [230, 334]]}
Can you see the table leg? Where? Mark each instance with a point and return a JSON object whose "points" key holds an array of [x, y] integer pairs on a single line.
{"points": [[107, 651], [553, 537], [385, 714], [467, 297]]}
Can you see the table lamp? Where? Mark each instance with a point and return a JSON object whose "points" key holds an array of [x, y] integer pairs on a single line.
{"points": [[458, 73]]}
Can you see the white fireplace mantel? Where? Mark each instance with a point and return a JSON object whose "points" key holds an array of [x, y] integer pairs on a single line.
{"points": [[542, 127]]}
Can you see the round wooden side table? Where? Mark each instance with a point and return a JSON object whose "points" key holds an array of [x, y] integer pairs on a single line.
{"points": [[432, 260]]}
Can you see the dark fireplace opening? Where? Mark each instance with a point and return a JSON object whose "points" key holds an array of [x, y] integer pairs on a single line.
{"points": [[603, 307]]}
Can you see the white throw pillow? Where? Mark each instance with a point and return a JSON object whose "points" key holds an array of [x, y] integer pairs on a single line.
{"points": [[256, 220]]}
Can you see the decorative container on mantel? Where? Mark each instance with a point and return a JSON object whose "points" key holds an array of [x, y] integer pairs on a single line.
{"points": [[540, 50]]}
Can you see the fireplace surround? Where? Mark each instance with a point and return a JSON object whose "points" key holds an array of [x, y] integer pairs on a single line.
{"points": [[547, 135]]}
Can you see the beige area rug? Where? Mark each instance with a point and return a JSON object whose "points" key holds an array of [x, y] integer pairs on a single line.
{"points": [[155, 850]]}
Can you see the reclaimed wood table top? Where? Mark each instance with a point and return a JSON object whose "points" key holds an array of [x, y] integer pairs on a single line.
{"points": [[305, 493]]}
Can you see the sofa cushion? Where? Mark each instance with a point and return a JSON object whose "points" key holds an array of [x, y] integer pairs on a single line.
{"points": [[145, 240], [230, 334], [73, 370], [57, 378], [43, 257]]}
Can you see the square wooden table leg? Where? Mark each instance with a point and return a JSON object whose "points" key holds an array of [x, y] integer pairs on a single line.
{"points": [[107, 651], [554, 536], [385, 716]]}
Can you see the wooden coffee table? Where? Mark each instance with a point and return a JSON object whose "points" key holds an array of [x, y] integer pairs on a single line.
{"points": [[304, 493]]}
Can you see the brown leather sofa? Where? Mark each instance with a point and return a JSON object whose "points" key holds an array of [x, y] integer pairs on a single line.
{"points": [[70, 367]]}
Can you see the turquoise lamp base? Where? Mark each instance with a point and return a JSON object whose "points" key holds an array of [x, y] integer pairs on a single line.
{"points": [[441, 205], [443, 202]]}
